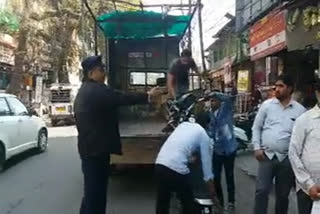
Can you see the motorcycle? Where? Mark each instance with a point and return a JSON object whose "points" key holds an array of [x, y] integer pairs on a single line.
{"points": [[245, 121], [243, 128], [182, 110], [242, 138]]}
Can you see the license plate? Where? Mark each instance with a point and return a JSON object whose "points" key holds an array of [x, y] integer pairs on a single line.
{"points": [[61, 109]]}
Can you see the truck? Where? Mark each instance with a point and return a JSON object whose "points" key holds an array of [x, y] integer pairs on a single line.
{"points": [[139, 48], [136, 66], [61, 104]]}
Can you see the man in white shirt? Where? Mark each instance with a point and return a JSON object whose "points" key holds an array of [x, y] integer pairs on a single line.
{"points": [[304, 154], [172, 171]]}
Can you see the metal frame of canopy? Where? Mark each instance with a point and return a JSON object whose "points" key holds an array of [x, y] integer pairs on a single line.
{"points": [[192, 8]]}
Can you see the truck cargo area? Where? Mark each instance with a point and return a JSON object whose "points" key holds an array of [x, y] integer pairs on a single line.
{"points": [[141, 141], [142, 127]]}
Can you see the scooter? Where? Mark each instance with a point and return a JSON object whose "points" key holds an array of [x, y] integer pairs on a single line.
{"points": [[241, 138], [203, 206], [242, 128]]}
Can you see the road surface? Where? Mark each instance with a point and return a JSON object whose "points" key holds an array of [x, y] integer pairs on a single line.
{"points": [[51, 183]]}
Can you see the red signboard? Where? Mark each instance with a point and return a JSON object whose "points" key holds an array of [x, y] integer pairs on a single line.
{"points": [[268, 35]]}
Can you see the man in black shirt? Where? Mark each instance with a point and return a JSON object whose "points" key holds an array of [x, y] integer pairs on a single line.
{"points": [[96, 117], [178, 76]]}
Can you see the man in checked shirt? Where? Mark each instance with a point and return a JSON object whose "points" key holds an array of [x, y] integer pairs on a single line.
{"points": [[304, 154]]}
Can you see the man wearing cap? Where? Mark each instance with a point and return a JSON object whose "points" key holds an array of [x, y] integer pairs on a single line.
{"points": [[96, 117]]}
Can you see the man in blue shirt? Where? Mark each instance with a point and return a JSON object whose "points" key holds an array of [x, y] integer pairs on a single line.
{"points": [[172, 171], [225, 146], [271, 134]]}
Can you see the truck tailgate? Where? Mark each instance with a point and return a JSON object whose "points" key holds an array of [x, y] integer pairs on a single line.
{"points": [[141, 127], [141, 141]]}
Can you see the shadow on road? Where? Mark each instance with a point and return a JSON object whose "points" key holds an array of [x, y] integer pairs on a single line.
{"points": [[15, 160]]}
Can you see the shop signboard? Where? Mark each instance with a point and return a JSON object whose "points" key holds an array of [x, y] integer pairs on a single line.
{"points": [[268, 35], [7, 47], [6, 55], [243, 81]]}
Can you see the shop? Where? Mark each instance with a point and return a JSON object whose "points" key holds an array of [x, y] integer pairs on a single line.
{"points": [[223, 78], [243, 82], [217, 79], [267, 52], [303, 42]]}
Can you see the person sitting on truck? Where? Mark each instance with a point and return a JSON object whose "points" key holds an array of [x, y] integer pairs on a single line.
{"points": [[178, 76], [96, 113], [172, 171]]}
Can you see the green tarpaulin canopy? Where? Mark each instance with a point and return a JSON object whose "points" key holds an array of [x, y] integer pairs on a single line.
{"points": [[142, 25]]}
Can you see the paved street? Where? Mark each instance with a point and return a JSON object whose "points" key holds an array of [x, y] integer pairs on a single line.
{"points": [[51, 183]]}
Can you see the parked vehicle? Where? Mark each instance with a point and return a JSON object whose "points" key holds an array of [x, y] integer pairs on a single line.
{"points": [[61, 104], [245, 121], [242, 138], [20, 129]]}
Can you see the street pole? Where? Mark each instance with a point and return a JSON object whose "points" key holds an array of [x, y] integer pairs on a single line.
{"points": [[190, 33], [201, 36], [319, 64]]}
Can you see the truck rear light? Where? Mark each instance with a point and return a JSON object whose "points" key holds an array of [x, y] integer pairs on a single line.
{"points": [[70, 109]]}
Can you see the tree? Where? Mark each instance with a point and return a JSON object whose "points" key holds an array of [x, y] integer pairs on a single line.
{"points": [[63, 24], [9, 23]]}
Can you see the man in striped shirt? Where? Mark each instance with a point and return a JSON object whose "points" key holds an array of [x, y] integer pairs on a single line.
{"points": [[304, 154]]}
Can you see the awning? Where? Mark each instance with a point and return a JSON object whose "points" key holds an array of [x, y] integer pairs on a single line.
{"points": [[216, 73], [221, 69], [142, 25]]}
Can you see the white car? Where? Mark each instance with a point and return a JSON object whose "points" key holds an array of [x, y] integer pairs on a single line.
{"points": [[20, 129]]}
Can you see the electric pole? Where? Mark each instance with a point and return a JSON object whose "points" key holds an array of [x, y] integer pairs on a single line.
{"points": [[200, 6], [189, 30]]}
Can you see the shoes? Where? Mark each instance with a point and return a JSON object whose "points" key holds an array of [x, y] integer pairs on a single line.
{"points": [[217, 210], [231, 208]]}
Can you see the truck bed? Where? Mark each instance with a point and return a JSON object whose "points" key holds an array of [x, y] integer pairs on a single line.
{"points": [[141, 141], [142, 127]]}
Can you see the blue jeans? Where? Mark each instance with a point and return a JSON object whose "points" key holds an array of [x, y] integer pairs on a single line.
{"points": [[226, 161], [96, 172]]}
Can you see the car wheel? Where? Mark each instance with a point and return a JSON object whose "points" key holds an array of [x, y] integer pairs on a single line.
{"points": [[2, 158], [42, 141]]}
